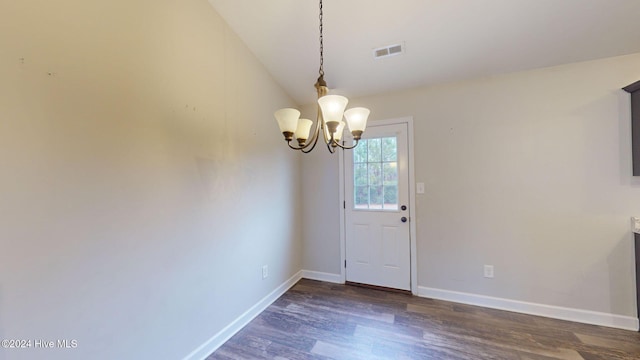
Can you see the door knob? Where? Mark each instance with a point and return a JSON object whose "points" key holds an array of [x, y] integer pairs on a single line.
{"points": [[403, 219], [403, 207]]}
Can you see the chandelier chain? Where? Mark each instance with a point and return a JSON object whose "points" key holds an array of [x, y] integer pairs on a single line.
{"points": [[321, 71]]}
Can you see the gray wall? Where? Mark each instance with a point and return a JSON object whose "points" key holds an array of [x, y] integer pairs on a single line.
{"points": [[529, 172], [144, 182], [321, 210]]}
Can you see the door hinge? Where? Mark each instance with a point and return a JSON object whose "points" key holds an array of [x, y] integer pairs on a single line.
{"points": [[344, 204], [345, 264]]}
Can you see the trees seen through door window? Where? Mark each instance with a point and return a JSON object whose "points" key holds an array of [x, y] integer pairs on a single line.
{"points": [[375, 180]]}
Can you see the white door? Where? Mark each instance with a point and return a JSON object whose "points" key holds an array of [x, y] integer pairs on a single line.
{"points": [[378, 247]]}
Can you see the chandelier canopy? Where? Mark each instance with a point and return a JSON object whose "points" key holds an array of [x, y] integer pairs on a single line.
{"points": [[329, 118]]}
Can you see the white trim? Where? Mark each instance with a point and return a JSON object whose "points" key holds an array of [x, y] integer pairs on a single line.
{"points": [[556, 312], [412, 203], [211, 345], [413, 218], [323, 276], [343, 215]]}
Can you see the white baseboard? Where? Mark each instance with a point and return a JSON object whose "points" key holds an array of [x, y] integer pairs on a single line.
{"points": [[556, 312], [225, 334], [322, 276]]}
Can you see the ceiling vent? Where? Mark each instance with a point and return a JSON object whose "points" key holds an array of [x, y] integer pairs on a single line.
{"points": [[387, 51]]}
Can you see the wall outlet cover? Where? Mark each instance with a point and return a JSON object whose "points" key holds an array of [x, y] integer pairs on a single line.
{"points": [[488, 271]]}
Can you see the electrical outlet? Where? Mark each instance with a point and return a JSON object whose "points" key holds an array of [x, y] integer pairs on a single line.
{"points": [[265, 271], [488, 271]]}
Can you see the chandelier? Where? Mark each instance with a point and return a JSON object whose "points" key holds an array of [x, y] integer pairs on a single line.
{"points": [[330, 112]]}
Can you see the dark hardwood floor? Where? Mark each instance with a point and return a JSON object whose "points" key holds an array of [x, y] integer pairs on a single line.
{"points": [[316, 320]]}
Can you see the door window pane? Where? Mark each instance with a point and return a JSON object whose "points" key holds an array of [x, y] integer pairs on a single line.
{"points": [[389, 149], [360, 174], [390, 173], [360, 152], [375, 197], [391, 197], [361, 197], [375, 174], [374, 149]]}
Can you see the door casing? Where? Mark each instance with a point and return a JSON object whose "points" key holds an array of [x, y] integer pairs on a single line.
{"points": [[412, 203]]}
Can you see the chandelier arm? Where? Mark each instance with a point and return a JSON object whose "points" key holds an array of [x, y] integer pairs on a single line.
{"points": [[331, 145], [345, 147], [314, 138], [304, 151], [314, 141], [332, 149], [294, 147], [327, 140], [311, 142], [316, 132]]}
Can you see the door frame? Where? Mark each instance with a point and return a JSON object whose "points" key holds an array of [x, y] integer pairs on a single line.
{"points": [[412, 203]]}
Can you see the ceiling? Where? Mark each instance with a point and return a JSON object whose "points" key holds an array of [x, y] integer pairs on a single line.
{"points": [[445, 40]]}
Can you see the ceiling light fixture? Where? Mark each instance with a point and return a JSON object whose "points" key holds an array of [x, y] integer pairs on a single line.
{"points": [[329, 117]]}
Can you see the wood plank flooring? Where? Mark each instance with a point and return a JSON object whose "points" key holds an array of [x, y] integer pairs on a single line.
{"points": [[317, 320]]}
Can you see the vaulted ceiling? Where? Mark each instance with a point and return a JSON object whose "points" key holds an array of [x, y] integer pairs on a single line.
{"points": [[444, 40]]}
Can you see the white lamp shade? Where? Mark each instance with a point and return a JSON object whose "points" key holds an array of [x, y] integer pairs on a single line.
{"points": [[287, 119], [303, 129], [332, 107], [357, 118], [338, 135]]}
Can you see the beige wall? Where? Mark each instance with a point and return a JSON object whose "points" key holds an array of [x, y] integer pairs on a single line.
{"points": [[144, 183], [321, 210], [529, 172]]}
